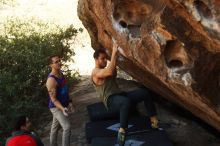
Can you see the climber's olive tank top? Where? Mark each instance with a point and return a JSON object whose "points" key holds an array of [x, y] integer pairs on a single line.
{"points": [[108, 88]]}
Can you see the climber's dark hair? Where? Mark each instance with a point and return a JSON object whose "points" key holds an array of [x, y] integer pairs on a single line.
{"points": [[98, 52]]}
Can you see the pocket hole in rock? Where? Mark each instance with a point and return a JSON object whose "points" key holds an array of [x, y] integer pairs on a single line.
{"points": [[175, 54]]}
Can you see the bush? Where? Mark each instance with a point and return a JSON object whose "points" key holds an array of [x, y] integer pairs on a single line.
{"points": [[24, 48]]}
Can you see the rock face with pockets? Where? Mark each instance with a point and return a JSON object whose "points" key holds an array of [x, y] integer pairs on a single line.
{"points": [[171, 46]]}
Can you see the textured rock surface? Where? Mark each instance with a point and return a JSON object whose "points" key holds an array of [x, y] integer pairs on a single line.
{"points": [[171, 46]]}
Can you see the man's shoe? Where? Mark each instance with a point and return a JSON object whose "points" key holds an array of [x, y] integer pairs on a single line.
{"points": [[121, 139], [154, 125], [157, 126], [154, 122]]}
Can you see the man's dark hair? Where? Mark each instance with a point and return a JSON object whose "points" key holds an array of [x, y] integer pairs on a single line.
{"points": [[19, 121], [49, 60], [98, 52]]}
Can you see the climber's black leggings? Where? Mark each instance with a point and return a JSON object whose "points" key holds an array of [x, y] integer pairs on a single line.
{"points": [[123, 103]]}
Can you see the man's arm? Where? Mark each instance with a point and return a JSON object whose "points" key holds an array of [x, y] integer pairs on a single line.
{"points": [[51, 87], [110, 69]]}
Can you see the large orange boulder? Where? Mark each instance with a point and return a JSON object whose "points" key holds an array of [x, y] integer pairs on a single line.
{"points": [[171, 46]]}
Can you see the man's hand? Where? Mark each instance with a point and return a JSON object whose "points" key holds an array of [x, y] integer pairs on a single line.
{"points": [[65, 111]]}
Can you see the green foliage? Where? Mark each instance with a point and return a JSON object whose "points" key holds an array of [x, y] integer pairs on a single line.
{"points": [[24, 48]]}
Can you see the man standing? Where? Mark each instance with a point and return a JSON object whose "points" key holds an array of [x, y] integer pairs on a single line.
{"points": [[104, 80], [58, 102], [21, 135]]}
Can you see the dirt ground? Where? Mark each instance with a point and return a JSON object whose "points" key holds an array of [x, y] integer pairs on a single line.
{"points": [[184, 129]]}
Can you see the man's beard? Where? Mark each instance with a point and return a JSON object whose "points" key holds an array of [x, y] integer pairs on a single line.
{"points": [[103, 66]]}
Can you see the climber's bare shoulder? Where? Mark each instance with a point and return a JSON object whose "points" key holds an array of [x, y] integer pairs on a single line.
{"points": [[96, 77]]}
